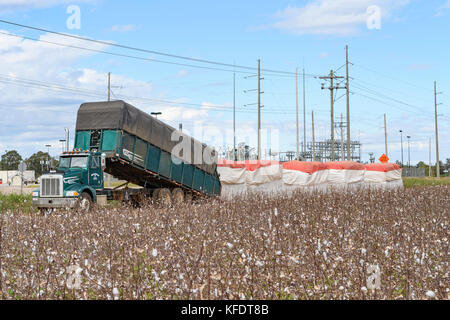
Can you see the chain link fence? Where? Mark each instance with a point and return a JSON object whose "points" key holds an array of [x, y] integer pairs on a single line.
{"points": [[413, 172]]}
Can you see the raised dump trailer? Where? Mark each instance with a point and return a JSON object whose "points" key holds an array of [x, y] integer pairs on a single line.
{"points": [[137, 148]]}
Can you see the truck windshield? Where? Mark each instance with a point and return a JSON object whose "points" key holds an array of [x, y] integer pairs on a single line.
{"points": [[73, 162]]}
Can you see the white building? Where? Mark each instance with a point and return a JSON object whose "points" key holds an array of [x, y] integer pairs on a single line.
{"points": [[12, 177]]}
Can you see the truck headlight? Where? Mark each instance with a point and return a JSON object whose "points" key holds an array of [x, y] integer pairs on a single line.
{"points": [[35, 194], [71, 194]]}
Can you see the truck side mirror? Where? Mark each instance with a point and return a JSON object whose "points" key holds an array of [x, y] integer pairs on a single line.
{"points": [[103, 161]]}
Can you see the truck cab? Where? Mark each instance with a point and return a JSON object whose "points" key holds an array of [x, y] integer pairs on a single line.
{"points": [[74, 184]]}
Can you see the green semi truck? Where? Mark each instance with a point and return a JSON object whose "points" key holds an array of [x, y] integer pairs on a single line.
{"points": [[121, 140]]}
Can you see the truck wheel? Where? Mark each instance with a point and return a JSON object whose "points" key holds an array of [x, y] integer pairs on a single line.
{"points": [[45, 211], [165, 197], [85, 202], [188, 197], [155, 194], [177, 196]]}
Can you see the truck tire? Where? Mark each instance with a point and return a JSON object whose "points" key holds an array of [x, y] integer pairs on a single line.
{"points": [[155, 194], [85, 203], [45, 211], [177, 196], [188, 197], [165, 197]]}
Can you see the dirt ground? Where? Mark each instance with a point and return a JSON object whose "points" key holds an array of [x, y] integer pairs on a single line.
{"points": [[13, 189]]}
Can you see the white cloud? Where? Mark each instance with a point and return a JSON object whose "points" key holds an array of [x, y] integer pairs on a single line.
{"points": [[182, 73], [123, 28], [15, 5], [443, 9], [35, 113], [419, 66], [331, 17]]}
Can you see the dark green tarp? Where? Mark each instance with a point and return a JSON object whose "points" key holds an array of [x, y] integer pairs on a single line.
{"points": [[123, 116]]}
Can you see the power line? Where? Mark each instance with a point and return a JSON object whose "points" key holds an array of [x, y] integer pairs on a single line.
{"points": [[145, 59], [385, 103], [379, 94], [146, 50], [93, 93], [120, 54]]}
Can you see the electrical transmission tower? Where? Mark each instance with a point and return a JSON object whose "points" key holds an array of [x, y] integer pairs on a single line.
{"points": [[340, 125], [332, 77], [259, 105]]}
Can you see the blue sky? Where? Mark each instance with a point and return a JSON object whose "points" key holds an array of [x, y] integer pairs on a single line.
{"points": [[393, 68]]}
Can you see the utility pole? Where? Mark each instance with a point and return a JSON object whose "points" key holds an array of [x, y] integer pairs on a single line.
{"points": [[296, 113], [348, 104], [313, 139], [259, 106], [341, 125], [385, 137], [429, 158], [332, 77], [259, 109], [109, 86], [332, 114], [234, 117], [437, 135], [304, 109]]}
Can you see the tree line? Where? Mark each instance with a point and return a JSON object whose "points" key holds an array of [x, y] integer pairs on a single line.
{"points": [[40, 162], [11, 159]]}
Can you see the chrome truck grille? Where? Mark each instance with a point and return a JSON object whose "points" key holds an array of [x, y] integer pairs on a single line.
{"points": [[51, 186]]}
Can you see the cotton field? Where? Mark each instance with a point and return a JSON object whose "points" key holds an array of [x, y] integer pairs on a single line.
{"points": [[355, 245]]}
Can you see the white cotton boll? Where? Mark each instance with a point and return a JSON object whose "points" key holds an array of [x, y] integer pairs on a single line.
{"points": [[230, 245], [430, 294], [325, 256], [341, 288], [295, 260], [154, 252], [275, 212], [318, 245], [115, 293], [363, 251], [364, 289], [278, 252], [259, 263]]}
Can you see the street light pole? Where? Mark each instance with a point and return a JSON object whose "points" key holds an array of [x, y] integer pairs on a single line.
{"points": [[48, 156], [401, 143], [409, 152], [156, 114]]}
